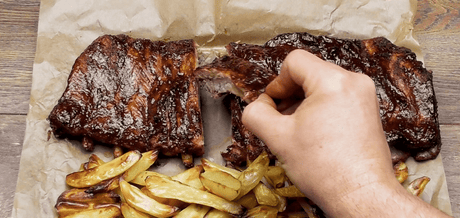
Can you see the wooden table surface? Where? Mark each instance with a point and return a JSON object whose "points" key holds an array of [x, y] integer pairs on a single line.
{"points": [[437, 28]]}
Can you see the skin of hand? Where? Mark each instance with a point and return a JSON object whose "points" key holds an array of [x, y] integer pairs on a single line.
{"points": [[331, 141]]}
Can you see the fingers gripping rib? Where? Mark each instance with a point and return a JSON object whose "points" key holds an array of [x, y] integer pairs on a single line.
{"points": [[301, 69], [262, 118]]}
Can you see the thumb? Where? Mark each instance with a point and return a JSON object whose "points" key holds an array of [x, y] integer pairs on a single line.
{"points": [[261, 118]]}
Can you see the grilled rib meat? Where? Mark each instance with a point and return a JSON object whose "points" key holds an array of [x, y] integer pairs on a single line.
{"points": [[245, 145], [133, 93], [408, 107]]}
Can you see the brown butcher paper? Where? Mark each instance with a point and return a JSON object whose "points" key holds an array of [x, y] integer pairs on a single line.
{"points": [[67, 27]]}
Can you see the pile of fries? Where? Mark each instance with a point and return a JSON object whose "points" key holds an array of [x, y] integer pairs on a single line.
{"points": [[124, 187]]}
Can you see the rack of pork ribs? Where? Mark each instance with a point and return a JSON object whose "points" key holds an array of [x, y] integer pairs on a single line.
{"points": [[408, 107], [135, 94], [142, 94]]}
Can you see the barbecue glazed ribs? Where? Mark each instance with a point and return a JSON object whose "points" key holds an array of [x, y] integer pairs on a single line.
{"points": [[408, 107], [133, 93], [245, 145]]}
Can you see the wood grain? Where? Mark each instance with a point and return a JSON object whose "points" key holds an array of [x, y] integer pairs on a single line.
{"points": [[451, 160], [442, 57], [437, 15], [18, 35], [12, 128]]}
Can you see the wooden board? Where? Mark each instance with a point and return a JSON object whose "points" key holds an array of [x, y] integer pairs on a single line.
{"points": [[12, 128]]}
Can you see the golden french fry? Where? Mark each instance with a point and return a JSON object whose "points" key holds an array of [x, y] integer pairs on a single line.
{"points": [[148, 158], [221, 184], [417, 186], [103, 172], [193, 211], [139, 201], [97, 159], [82, 167], [290, 192], [130, 212], [282, 202], [214, 213], [103, 212], [118, 191], [190, 177], [80, 195], [262, 211], [307, 208], [66, 208], [248, 201], [93, 161], [140, 179], [167, 201], [166, 188], [211, 166], [275, 176], [265, 195], [252, 175], [401, 171], [296, 214], [104, 186]]}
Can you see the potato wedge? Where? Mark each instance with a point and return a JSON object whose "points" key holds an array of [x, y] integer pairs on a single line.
{"points": [[252, 175], [248, 201], [307, 208], [193, 211], [80, 195], [105, 186], [166, 188], [289, 191], [130, 212], [139, 201], [265, 195], [103, 212], [118, 191], [417, 186], [214, 213], [140, 179], [282, 202], [262, 211], [275, 176], [190, 177], [401, 171], [148, 158], [211, 166], [67, 208], [93, 161], [103, 172], [296, 214], [96, 159], [167, 201], [221, 184]]}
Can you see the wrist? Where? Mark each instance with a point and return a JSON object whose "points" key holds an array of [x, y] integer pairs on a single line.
{"points": [[381, 199]]}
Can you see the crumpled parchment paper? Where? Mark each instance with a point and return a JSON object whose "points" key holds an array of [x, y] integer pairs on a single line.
{"points": [[67, 27]]}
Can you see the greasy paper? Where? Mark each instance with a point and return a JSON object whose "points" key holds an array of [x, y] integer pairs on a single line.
{"points": [[67, 27]]}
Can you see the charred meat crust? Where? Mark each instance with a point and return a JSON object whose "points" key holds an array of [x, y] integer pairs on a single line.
{"points": [[134, 93], [245, 145]]}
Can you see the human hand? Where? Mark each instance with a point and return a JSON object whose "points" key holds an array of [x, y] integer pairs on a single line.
{"points": [[331, 143]]}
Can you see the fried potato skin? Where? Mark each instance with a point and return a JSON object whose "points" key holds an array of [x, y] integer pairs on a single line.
{"points": [[103, 172]]}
